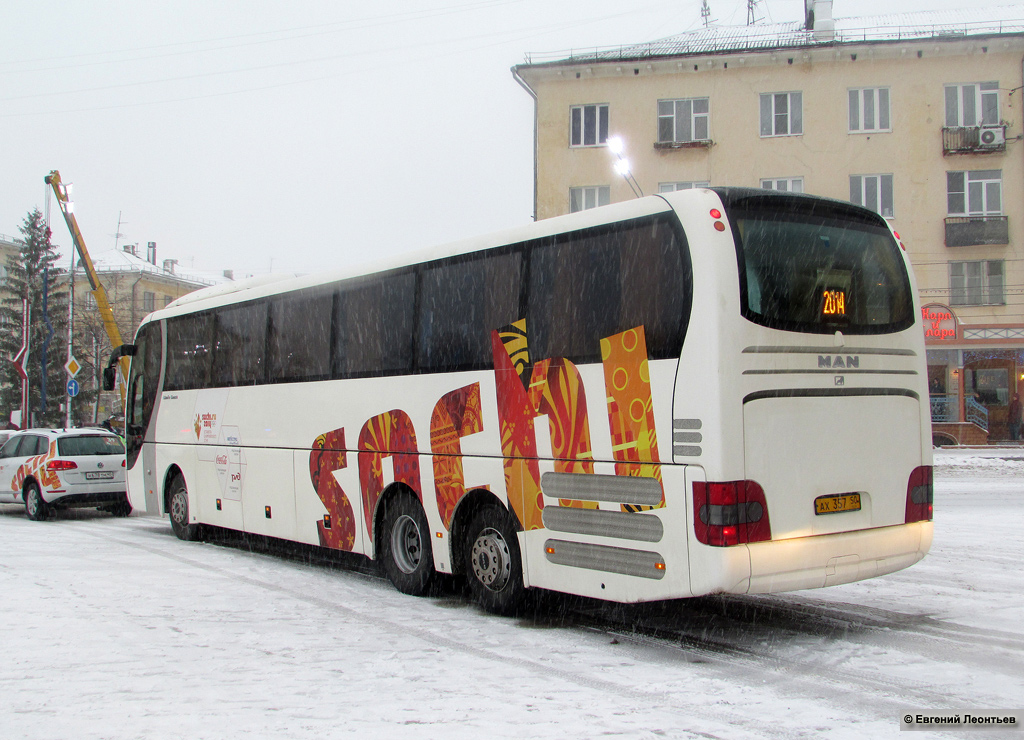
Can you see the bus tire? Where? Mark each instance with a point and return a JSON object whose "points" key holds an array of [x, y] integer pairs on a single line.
{"points": [[494, 565], [177, 509], [406, 552], [36, 507]]}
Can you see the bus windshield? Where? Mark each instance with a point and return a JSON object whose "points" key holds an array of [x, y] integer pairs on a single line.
{"points": [[818, 266]]}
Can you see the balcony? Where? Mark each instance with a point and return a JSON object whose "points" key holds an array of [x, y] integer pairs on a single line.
{"points": [[973, 139], [971, 231], [693, 144]]}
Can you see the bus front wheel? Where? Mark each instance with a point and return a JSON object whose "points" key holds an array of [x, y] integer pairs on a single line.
{"points": [[494, 566], [178, 510], [405, 546]]}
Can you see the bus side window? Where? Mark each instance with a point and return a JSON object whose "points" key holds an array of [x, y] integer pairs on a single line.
{"points": [[300, 338], [240, 346], [189, 340], [374, 327], [461, 303]]}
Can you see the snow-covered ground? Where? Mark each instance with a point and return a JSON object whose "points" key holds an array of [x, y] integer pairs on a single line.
{"points": [[115, 629]]}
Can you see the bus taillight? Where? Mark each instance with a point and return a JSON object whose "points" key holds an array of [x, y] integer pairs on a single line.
{"points": [[919, 495], [730, 513]]}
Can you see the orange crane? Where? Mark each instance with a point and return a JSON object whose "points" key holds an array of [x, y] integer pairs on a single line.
{"points": [[99, 294]]}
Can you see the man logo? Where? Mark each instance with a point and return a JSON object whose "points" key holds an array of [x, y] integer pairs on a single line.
{"points": [[840, 380], [838, 361]]}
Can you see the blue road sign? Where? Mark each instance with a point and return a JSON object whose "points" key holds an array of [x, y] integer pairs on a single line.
{"points": [[72, 387]]}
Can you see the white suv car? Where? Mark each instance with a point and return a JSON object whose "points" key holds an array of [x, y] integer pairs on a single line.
{"points": [[62, 468]]}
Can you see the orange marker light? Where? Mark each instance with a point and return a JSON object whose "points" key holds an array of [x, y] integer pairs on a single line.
{"points": [[549, 550], [659, 566], [719, 226]]}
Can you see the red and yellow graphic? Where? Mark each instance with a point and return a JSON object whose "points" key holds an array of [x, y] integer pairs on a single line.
{"points": [[555, 390], [390, 434], [328, 454], [458, 414], [35, 467], [627, 382]]}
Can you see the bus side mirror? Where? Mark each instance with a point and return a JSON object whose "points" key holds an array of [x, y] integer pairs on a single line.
{"points": [[110, 372], [109, 378]]}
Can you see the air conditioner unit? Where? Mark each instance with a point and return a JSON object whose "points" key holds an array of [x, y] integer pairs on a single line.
{"points": [[991, 137]]}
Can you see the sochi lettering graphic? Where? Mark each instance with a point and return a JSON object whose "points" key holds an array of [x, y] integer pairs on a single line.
{"points": [[525, 391], [35, 467]]}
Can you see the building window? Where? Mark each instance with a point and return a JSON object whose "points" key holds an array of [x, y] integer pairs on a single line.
{"points": [[782, 114], [168, 299], [874, 192], [671, 187], [976, 104], [869, 109], [977, 193], [785, 184], [148, 301], [588, 125], [976, 283], [580, 199], [681, 121], [90, 300]]}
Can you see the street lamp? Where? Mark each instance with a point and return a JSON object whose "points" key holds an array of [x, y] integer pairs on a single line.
{"points": [[621, 165]]}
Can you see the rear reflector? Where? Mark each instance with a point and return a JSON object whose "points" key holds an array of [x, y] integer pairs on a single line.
{"points": [[919, 495], [61, 465], [730, 513]]}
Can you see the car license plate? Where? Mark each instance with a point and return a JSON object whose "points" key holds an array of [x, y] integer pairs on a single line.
{"points": [[100, 475], [836, 503]]}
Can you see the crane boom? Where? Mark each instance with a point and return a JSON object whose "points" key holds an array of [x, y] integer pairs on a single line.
{"points": [[98, 292]]}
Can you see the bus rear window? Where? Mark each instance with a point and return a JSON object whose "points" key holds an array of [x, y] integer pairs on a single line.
{"points": [[812, 266]]}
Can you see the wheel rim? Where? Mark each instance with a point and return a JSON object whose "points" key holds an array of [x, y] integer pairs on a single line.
{"points": [[491, 559], [33, 501], [406, 544], [179, 508]]}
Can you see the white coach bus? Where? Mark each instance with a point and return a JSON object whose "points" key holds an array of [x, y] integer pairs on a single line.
{"points": [[711, 391]]}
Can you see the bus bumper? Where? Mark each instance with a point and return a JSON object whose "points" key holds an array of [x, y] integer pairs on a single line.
{"points": [[828, 560]]}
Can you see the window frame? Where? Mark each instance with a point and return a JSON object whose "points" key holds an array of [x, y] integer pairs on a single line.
{"points": [[672, 187], [985, 191], [858, 106], [879, 192], [676, 116], [578, 126], [793, 114], [960, 294], [982, 91], [773, 184], [584, 190]]}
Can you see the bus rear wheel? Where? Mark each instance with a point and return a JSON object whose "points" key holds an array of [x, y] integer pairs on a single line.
{"points": [[36, 507], [177, 509], [494, 565], [405, 546]]}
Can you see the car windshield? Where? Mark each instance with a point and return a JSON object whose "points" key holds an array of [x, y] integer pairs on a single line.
{"points": [[90, 444]]}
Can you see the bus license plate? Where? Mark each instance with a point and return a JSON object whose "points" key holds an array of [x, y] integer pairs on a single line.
{"points": [[100, 475], [836, 503]]}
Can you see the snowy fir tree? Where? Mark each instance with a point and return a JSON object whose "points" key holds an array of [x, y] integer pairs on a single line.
{"points": [[26, 272]]}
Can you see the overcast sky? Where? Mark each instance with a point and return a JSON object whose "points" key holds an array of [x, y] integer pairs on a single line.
{"points": [[297, 136]]}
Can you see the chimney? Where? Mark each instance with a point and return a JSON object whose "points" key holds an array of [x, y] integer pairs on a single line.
{"points": [[819, 19], [169, 265], [229, 274], [151, 253], [127, 248]]}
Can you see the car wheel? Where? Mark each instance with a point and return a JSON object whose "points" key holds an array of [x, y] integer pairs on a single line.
{"points": [[494, 566], [177, 509], [36, 508], [121, 508], [405, 546]]}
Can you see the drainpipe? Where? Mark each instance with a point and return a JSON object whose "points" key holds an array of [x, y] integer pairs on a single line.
{"points": [[536, 144]]}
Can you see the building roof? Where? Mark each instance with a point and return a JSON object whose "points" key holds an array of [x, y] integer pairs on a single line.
{"points": [[118, 260], [923, 25]]}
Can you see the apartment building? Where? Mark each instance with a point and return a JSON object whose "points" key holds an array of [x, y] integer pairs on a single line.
{"points": [[917, 116]]}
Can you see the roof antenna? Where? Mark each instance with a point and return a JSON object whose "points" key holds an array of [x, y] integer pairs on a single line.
{"points": [[705, 13], [752, 12]]}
